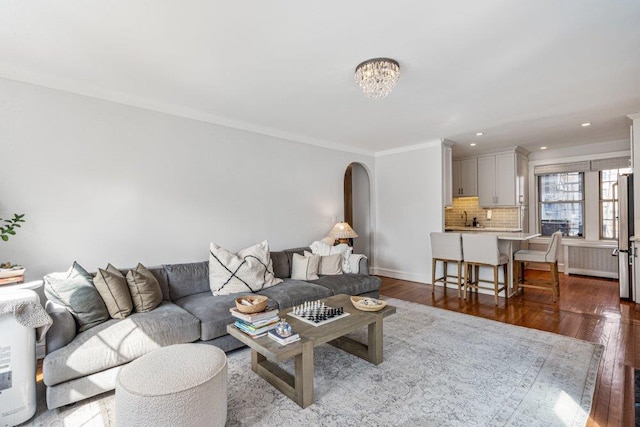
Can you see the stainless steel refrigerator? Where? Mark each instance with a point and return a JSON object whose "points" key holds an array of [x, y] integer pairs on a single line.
{"points": [[626, 256]]}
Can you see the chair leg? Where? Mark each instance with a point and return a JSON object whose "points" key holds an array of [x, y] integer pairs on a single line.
{"points": [[459, 276], [506, 283], [433, 275], [445, 273], [555, 285], [516, 277], [495, 284], [466, 268], [477, 276]]}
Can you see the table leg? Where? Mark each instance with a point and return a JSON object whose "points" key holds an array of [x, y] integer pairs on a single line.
{"points": [[304, 376], [375, 341]]}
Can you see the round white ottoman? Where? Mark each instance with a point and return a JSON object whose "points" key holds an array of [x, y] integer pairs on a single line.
{"points": [[179, 385]]}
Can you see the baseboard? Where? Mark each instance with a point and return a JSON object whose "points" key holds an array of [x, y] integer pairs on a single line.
{"points": [[402, 275]]}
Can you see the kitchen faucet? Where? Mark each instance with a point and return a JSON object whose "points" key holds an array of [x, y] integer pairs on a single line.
{"points": [[465, 217]]}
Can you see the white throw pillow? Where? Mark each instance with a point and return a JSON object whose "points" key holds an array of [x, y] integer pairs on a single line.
{"points": [[319, 248], [250, 270], [305, 267], [330, 265]]}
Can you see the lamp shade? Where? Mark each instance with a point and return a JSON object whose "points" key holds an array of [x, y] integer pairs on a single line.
{"points": [[342, 230]]}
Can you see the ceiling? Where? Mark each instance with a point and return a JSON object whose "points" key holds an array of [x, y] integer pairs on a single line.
{"points": [[524, 73]]}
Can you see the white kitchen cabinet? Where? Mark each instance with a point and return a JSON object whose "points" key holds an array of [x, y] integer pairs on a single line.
{"points": [[502, 180], [465, 177]]}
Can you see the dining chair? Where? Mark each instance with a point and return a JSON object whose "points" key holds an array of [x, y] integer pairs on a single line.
{"points": [[548, 257], [481, 251], [446, 248]]}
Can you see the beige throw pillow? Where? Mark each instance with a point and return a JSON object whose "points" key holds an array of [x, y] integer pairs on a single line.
{"points": [[305, 267], [250, 270], [145, 289], [112, 287], [330, 265]]}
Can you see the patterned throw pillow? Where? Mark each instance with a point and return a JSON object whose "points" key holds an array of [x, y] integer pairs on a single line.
{"points": [[250, 270], [74, 289]]}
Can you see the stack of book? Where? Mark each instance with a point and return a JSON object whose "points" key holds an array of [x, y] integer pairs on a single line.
{"points": [[274, 335], [9, 280], [256, 324]]}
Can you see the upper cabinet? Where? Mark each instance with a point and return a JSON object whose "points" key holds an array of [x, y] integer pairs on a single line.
{"points": [[502, 180], [465, 177]]}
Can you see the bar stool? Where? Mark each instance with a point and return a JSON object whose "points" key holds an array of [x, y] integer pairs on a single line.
{"points": [[446, 247], [549, 257], [481, 250]]}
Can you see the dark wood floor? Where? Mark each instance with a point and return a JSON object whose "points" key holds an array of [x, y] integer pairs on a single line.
{"points": [[588, 309]]}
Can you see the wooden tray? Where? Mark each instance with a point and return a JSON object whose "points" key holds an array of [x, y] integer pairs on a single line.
{"points": [[368, 303]]}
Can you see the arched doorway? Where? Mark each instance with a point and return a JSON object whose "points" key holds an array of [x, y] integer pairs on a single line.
{"points": [[357, 206]]}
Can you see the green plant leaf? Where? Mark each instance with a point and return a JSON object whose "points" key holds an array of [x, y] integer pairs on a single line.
{"points": [[5, 238]]}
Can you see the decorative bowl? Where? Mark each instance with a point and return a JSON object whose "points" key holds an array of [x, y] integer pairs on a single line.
{"points": [[251, 303], [368, 304], [11, 272]]}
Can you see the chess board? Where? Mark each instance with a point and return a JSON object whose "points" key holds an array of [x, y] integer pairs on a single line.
{"points": [[316, 313]]}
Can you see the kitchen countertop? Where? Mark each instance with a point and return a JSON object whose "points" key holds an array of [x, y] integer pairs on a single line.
{"points": [[494, 229]]}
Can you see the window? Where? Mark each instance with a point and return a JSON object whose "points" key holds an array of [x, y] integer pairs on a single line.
{"points": [[609, 202], [561, 203]]}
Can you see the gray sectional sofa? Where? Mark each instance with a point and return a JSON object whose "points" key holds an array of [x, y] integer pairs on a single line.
{"points": [[81, 365]]}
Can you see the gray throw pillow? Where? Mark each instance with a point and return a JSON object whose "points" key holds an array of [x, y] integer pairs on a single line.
{"points": [[146, 293], [74, 289], [114, 290]]}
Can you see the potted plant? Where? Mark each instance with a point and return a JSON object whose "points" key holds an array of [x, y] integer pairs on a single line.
{"points": [[7, 269]]}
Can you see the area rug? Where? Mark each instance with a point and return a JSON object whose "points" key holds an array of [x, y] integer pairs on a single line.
{"points": [[440, 368]]}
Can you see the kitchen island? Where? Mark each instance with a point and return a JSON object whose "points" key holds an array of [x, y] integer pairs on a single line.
{"points": [[508, 242]]}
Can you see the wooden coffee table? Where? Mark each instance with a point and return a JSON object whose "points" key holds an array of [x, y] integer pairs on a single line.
{"points": [[266, 353]]}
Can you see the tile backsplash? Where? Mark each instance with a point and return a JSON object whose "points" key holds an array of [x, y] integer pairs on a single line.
{"points": [[500, 217]]}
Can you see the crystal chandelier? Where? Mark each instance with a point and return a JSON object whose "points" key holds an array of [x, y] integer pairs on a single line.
{"points": [[378, 76]]}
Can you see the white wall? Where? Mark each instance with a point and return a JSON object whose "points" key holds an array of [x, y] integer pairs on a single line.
{"points": [[408, 207], [102, 182]]}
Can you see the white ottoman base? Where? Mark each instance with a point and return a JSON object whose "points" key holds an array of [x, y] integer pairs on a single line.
{"points": [[179, 385]]}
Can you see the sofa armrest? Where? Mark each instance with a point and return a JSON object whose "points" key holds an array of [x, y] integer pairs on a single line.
{"points": [[63, 329], [359, 264], [364, 266]]}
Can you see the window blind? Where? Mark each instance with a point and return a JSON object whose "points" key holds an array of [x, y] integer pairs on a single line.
{"points": [[614, 163], [562, 168]]}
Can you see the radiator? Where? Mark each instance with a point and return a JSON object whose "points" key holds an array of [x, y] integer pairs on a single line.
{"points": [[590, 260]]}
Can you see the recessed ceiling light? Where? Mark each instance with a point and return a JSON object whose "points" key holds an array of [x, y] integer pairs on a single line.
{"points": [[473, 144], [479, 133], [543, 148], [584, 125]]}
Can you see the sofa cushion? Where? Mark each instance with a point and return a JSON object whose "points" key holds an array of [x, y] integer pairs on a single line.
{"points": [[212, 311], [281, 267], [118, 341], [293, 292], [113, 288], [349, 283], [145, 289], [187, 279], [74, 289]]}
